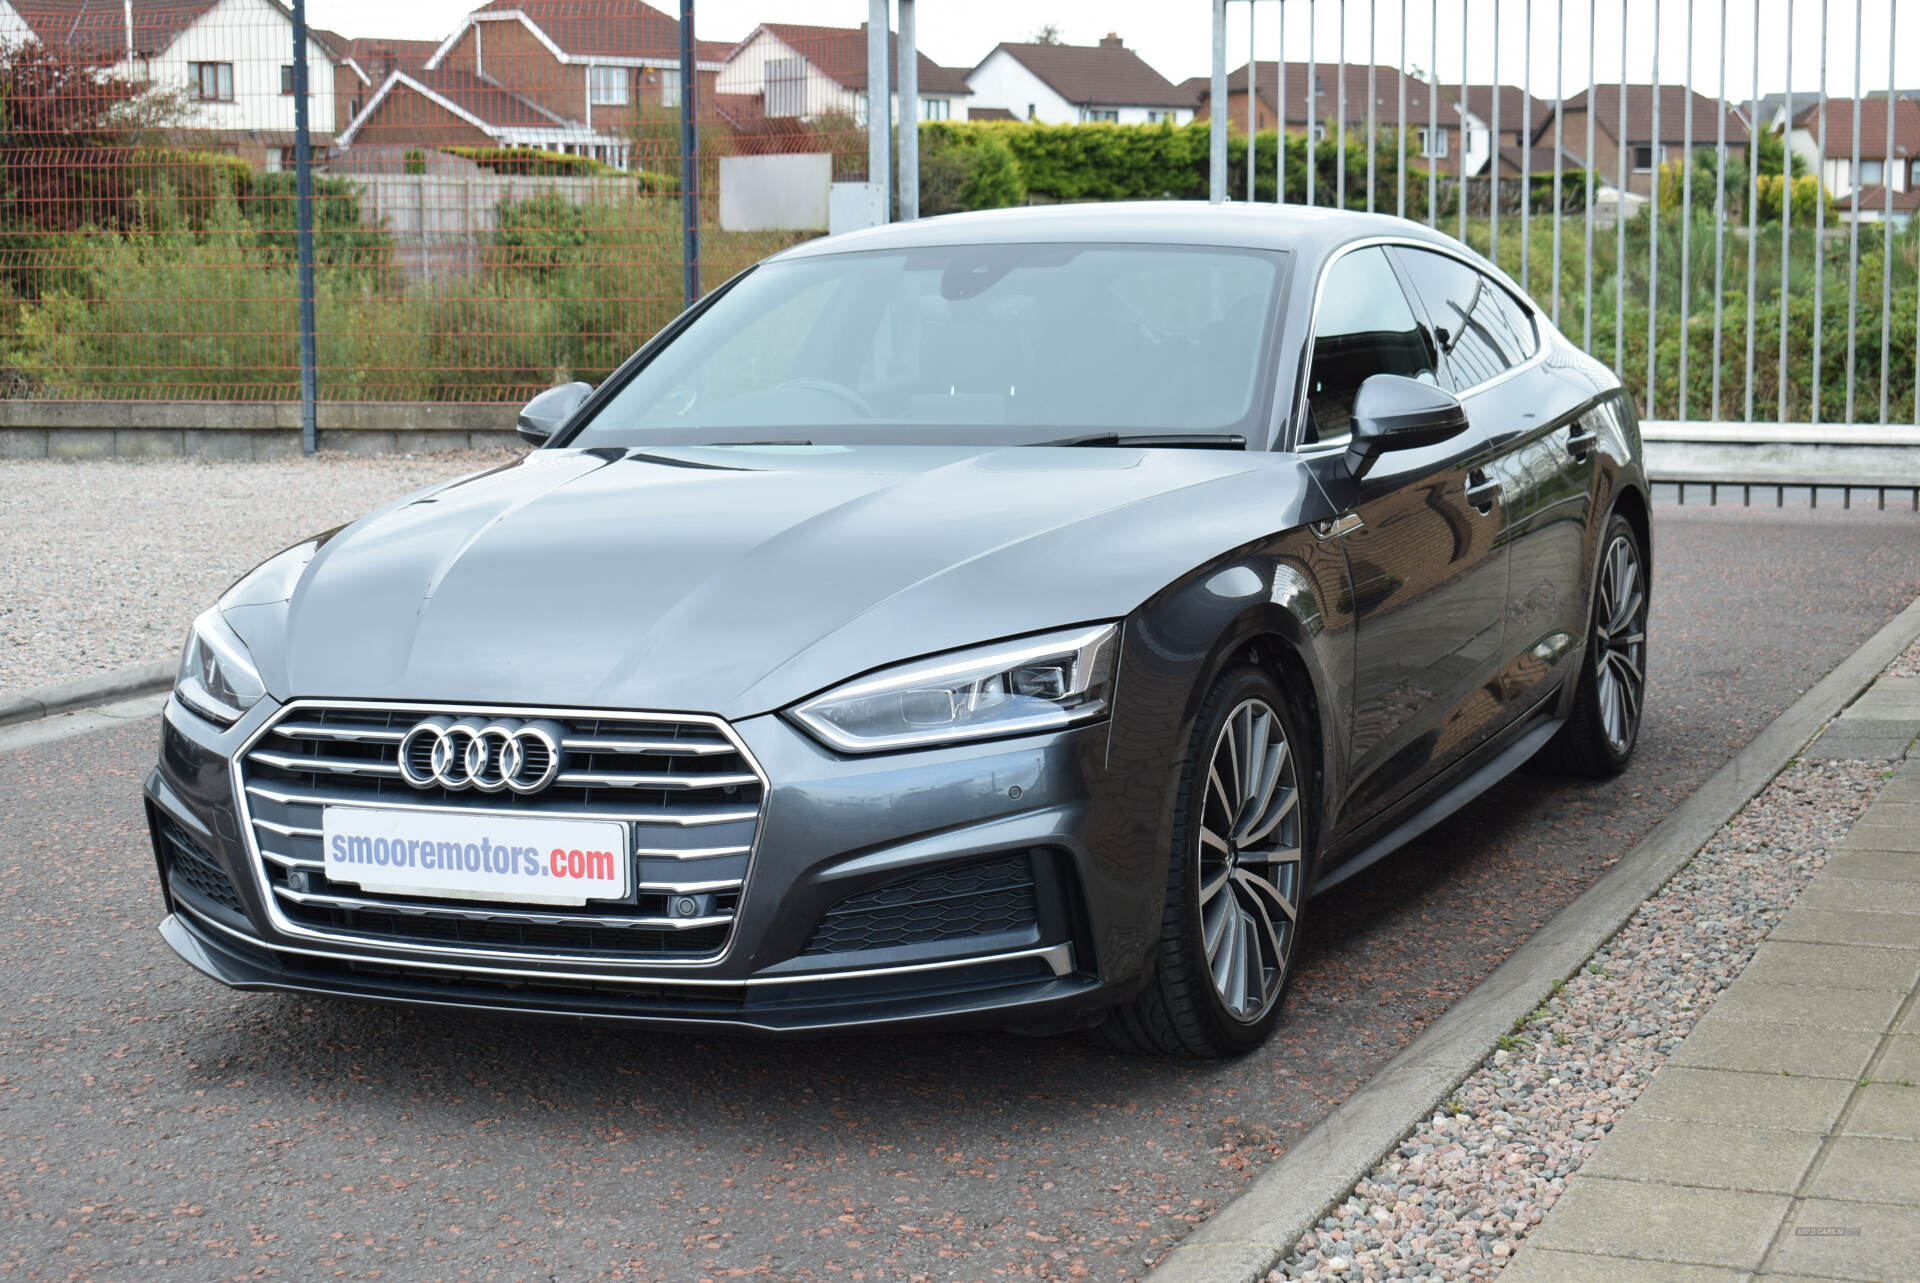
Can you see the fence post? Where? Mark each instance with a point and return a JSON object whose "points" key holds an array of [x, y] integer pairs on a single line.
{"points": [[1217, 107], [879, 109], [909, 92], [303, 235], [689, 158]]}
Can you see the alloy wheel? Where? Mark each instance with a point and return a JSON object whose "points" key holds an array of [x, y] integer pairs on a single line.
{"points": [[1249, 885], [1620, 643]]}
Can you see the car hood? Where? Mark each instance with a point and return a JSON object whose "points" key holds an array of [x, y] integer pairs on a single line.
{"points": [[737, 580]]}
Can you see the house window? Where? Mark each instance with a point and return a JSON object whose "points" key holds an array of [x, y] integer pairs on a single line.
{"points": [[1645, 155], [670, 87], [1871, 172], [286, 79], [1155, 117], [607, 86], [786, 85], [936, 109], [1031, 114], [211, 81], [1099, 115], [1318, 88], [1433, 143]]}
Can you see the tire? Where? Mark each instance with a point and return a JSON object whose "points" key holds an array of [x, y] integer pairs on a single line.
{"points": [[1599, 737], [1236, 875]]}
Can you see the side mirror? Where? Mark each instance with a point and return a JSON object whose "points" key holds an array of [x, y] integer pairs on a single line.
{"points": [[1393, 412], [547, 413]]}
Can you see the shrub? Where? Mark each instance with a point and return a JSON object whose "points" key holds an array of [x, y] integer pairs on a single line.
{"points": [[534, 161]]}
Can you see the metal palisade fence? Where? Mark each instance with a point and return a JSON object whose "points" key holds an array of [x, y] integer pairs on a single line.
{"points": [[1716, 197]]}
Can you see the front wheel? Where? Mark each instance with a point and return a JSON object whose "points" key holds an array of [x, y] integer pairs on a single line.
{"points": [[1236, 880], [1599, 737]]}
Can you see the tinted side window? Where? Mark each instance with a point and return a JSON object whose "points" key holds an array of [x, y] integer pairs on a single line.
{"points": [[1482, 328], [1365, 326]]}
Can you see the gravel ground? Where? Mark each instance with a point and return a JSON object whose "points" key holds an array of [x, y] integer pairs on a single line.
{"points": [[1457, 1196], [1908, 665], [125, 553]]}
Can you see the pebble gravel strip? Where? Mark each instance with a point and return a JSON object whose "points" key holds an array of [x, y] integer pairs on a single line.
{"points": [[108, 561], [1908, 665], [1455, 1198]]}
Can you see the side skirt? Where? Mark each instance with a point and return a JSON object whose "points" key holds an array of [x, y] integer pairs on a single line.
{"points": [[1495, 769]]}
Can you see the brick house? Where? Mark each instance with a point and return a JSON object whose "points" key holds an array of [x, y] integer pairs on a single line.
{"points": [[1887, 160], [1630, 134], [1324, 102], [540, 73], [800, 72]]}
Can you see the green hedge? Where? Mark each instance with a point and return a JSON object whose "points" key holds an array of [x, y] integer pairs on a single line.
{"points": [[534, 160]]}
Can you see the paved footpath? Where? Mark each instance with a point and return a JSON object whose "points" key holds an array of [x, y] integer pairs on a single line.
{"points": [[1781, 1141]]}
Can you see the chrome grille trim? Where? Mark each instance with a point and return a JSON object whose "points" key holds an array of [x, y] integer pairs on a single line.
{"points": [[671, 821], [315, 730], [417, 910], [1057, 957], [326, 765], [661, 800]]}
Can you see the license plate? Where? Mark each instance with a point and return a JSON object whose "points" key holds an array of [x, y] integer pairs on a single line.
{"points": [[518, 859]]}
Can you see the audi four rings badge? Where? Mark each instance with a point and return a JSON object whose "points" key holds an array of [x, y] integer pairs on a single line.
{"points": [[489, 756]]}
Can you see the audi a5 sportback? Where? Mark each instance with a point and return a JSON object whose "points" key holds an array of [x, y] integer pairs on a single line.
{"points": [[1010, 618]]}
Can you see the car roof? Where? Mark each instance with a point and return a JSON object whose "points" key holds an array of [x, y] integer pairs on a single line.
{"points": [[1311, 232]]}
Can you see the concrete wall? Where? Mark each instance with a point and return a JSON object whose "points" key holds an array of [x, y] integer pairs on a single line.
{"points": [[240, 430]]}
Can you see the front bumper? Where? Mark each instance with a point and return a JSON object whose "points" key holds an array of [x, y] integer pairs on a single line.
{"points": [[833, 828]]}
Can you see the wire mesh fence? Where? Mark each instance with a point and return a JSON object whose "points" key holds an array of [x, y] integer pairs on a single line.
{"points": [[492, 212], [1728, 220]]}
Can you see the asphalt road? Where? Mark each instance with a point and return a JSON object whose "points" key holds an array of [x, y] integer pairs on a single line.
{"points": [[154, 1126]]}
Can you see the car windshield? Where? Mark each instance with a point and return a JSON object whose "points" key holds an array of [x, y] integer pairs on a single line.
{"points": [[963, 344]]}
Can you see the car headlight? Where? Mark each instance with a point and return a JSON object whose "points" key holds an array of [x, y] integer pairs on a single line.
{"points": [[217, 678], [1013, 687]]}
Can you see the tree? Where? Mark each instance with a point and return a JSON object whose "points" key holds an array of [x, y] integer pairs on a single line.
{"points": [[70, 133], [1047, 35]]}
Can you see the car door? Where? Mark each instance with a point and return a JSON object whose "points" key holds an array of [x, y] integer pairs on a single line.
{"points": [[1544, 461], [1421, 535]]}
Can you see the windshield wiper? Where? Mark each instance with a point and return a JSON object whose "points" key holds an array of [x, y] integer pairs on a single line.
{"points": [[794, 441], [1171, 440]]}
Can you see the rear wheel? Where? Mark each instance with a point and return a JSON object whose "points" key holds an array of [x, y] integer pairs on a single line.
{"points": [[1599, 737], [1235, 882]]}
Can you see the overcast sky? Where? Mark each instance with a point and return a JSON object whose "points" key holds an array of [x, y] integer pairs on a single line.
{"points": [[1173, 35]]}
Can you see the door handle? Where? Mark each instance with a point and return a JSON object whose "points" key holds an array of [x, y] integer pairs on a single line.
{"points": [[1482, 491], [1581, 440]]}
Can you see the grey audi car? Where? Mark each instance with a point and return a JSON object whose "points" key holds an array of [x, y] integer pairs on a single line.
{"points": [[1009, 619]]}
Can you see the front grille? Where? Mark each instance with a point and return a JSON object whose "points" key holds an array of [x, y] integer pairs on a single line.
{"points": [[987, 898], [192, 874], [691, 798]]}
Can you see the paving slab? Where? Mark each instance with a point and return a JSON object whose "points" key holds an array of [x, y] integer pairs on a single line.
{"points": [[1885, 866], [1841, 1240], [1868, 1169], [1672, 1152], [1742, 1099], [1538, 1265], [1727, 1228], [1720, 1043], [1839, 966], [1885, 1109], [1836, 926], [1900, 1062], [1815, 1007], [1867, 895]]}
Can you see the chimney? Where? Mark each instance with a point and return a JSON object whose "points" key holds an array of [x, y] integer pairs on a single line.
{"points": [[1113, 41]]}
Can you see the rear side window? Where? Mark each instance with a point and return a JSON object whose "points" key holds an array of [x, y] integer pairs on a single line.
{"points": [[1364, 327], [1483, 329]]}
